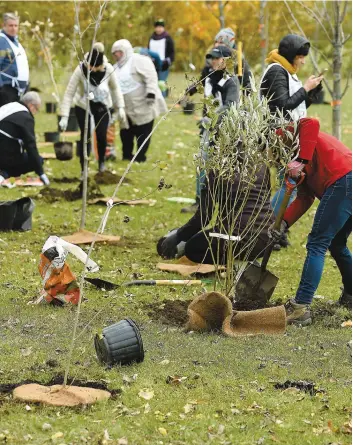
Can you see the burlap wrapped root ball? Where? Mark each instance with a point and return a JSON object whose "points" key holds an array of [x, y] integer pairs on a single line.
{"points": [[207, 312], [266, 321]]}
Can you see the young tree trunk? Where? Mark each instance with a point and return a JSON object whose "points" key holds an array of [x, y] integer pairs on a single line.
{"points": [[222, 20], [337, 65], [262, 30]]}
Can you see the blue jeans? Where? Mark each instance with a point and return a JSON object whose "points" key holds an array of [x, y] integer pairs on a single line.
{"points": [[201, 175], [331, 229], [163, 75], [279, 195]]}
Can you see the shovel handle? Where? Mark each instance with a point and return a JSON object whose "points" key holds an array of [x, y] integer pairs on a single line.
{"points": [[290, 187]]}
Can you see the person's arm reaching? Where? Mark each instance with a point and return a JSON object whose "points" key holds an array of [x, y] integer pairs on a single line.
{"points": [[300, 205], [27, 134]]}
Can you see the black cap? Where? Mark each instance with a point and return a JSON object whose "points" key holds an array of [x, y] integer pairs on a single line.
{"points": [[219, 51], [96, 59], [159, 22]]}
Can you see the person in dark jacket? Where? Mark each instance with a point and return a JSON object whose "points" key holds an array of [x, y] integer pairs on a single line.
{"points": [[244, 213], [18, 148], [225, 90], [286, 94], [161, 43], [328, 177]]}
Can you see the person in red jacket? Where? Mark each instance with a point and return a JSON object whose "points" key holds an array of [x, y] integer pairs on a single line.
{"points": [[328, 177]]}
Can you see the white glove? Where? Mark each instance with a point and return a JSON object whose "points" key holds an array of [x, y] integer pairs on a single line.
{"points": [[44, 178], [122, 117], [63, 123]]}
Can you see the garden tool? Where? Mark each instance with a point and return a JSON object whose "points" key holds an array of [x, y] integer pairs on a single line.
{"points": [[107, 285], [256, 284]]}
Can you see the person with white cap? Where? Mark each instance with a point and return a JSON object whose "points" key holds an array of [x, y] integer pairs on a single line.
{"points": [[103, 92], [138, 81], [14, 68]]}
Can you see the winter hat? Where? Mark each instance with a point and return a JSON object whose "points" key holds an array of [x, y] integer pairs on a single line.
{"points": [[96, 58], [226, 37], [293, 45], [159, 22], [99, 46]]}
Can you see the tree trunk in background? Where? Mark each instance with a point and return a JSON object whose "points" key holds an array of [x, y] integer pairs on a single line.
{"points": [[263, 32], [337, 65], [222, 20]]}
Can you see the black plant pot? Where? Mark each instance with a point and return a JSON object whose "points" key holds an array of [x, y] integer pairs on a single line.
{"points": [[50, 107], [51, 136], [120, 344], [63, 150], [189, 108]]}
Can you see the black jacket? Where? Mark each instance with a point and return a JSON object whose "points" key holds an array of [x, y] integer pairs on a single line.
{"points": [[275, 84], [229, 91], [169, 45], [254, 219], [19, 125]]}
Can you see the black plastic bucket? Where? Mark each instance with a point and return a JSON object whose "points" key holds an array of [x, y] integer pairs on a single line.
{"points": [[189, 108], [63, 151], [50, 107], [120, 344], [51, 136]]}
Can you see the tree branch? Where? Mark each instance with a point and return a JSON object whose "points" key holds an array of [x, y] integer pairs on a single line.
{"points": [[344, 12], [327, 17], [210, 9], [347, 85], [322, 54], [346, 39], [318, 20]]}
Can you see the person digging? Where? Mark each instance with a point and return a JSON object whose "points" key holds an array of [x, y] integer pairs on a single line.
{"points": [[328, 177]]}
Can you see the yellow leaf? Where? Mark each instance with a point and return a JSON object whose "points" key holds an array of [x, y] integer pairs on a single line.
{"points": [[347, 324], [163, 431], [146, 394]]}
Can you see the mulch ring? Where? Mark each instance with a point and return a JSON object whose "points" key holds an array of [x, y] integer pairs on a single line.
{"points": [[170, 312], [108, 178], [49, 194]]}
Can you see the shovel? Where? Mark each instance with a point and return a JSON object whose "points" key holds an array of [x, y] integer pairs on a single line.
{"points": [[256, 284], [107, 285]]}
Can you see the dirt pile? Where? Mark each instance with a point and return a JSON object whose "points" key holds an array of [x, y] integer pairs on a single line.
{"points": [[50, 194], [170, 312], [108, 178]]}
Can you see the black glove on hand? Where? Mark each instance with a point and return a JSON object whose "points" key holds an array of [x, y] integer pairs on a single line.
{"points": [[167, 246], [150, 98], [165, 65], [276, 235]]}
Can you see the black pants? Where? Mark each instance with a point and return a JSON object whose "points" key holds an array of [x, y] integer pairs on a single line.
{"points": [[140, 132], [101, 121], [204, 249], [23, 165]]}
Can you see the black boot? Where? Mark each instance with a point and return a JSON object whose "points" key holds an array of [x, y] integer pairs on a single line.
{"points": [[345, 300]]}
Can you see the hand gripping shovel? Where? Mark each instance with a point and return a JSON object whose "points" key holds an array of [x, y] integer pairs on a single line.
{"points": [[256, 284]]}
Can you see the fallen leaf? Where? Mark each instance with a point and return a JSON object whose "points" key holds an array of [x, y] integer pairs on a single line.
{"points": [[146, 394], [162, 431], [347, 324], [123, 441], [175, 379], [28, 408], [57, 435], [147, 408], [46, 426], [347, 428], [164, 362], [26, 352], [189, 407]]}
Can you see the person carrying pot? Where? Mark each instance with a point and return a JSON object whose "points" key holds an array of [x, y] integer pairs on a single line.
{"points": [[286, 94], [138, 82], [18, 147], [225, 90], [103, 92], [328, 177]]}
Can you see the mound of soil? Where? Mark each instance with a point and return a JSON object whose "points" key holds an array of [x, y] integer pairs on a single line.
{"points": [[107, 178], [170, 312], [50, 194], [65, 180]]}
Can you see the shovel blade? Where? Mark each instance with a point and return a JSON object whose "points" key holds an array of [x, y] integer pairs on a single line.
{"points": [[254, 288]]}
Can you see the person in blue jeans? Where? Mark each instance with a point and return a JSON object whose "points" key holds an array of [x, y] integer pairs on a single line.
{"points": [[328, 177]]}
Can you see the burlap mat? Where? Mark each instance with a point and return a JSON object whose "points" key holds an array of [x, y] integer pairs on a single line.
{"points": [[57, 395], [86, 237], [186, 267], [213, 311]]}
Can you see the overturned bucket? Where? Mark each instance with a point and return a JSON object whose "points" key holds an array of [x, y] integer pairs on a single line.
{"points": [[120, 344]]}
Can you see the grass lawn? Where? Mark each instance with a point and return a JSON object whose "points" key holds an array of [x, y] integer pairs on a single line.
{"points": [[229, 395]]}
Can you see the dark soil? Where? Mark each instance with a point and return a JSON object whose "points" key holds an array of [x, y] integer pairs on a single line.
{"points": [[65, 180], [108, 178], [171, 312], [50, 194], [302, 385]]}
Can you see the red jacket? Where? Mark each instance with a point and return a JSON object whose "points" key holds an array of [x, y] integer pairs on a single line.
{"points": [[331, 161]]}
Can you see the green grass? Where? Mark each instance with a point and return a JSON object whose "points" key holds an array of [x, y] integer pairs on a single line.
{"points": [[230, 382]]}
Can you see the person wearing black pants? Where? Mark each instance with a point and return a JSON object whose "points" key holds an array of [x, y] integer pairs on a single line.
{"points": [[101, 121], [140, 132]]}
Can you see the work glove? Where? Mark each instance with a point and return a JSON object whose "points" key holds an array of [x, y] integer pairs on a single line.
{"points": [[63, 123], [294, 169], [167, 246], [276, 235], [150, 98], [44, 178]]}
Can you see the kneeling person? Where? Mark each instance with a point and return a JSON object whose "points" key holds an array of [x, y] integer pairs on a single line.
{"points": [[18, 148]]}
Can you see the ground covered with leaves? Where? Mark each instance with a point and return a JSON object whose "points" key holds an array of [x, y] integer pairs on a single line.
{"points": [[191, 388]]}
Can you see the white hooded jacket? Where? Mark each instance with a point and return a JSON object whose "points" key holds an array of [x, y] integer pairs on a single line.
{"points": [[137, 77]]}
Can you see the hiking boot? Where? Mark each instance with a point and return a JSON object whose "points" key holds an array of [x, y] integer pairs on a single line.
{"points": [[345, 300], [296, 313]]}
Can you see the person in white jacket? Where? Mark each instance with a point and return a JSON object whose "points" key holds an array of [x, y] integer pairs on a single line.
{"points": [[104, 94], [138, 81]]}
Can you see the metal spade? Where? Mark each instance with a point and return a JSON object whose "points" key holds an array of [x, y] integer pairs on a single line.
{"points": [[256, 284]]}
